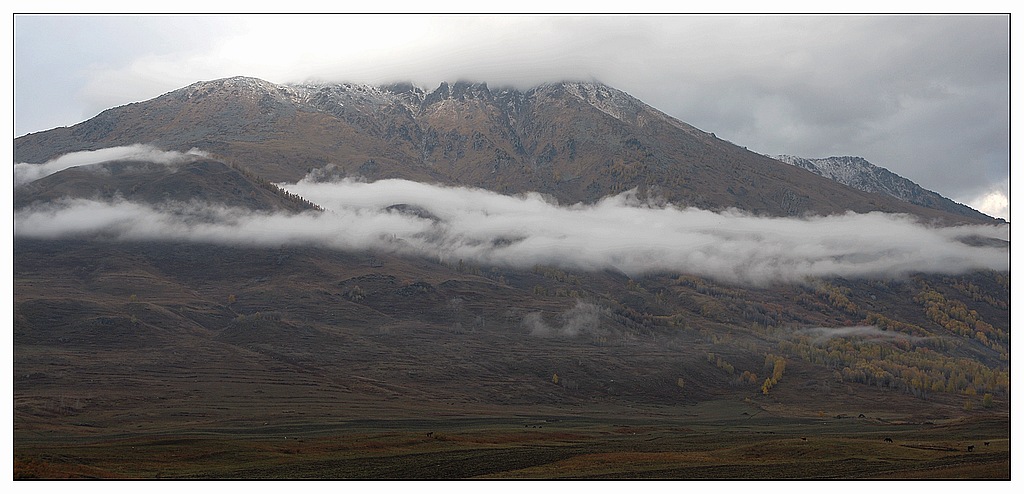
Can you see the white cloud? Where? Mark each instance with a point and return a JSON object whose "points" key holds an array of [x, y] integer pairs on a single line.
{"points": [[618, 233], [994, 202], [30, 172]]}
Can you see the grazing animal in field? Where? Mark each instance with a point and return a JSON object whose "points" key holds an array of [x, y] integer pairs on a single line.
{"points": [[970, 448], [803, 438], [987, 443], [888, 439], [430, 434]]}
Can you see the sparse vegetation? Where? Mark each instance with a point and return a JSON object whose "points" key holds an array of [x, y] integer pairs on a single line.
{"points": [[300, 202], [775, 366]]}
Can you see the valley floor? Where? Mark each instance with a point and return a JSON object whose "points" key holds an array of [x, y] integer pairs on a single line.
{"points": [[707, 441]]}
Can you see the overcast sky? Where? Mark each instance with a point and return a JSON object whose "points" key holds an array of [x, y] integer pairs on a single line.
{"points": [[924, 96]]}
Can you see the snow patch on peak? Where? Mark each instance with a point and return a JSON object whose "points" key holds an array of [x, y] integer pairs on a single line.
{"points": [[242, 82], [609, 100], [333, 97], [850, 170], [249, 87]]}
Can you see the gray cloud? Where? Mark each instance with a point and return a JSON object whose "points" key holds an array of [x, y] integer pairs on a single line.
{"points": [[925, 96], [619, 232]]}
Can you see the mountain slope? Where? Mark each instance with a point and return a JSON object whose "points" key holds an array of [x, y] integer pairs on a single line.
{"points": [[862, 175], [577, 142], [202, 180], [158, 333]]}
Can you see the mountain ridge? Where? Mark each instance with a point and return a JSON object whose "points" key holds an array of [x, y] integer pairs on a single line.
{"points": [[861, 174]]}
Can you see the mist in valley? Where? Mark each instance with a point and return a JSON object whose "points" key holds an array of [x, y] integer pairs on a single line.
{"points": [[620, 232]]}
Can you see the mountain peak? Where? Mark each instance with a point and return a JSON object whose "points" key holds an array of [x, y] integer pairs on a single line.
{"points": [[236, 82]]}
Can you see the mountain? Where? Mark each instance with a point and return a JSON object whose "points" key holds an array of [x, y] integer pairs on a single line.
{"points": [[575, 141], [862, 175], [186, 306]]}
